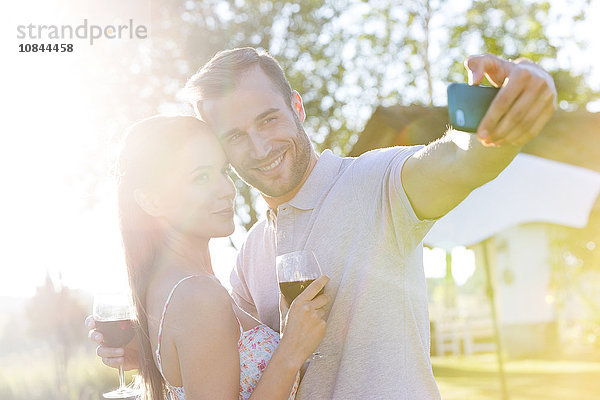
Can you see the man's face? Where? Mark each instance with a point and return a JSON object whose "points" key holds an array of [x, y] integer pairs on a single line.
{"points": [[261, 135]]}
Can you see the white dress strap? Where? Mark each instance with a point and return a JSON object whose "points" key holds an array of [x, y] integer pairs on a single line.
{"points": [[162, 320]]}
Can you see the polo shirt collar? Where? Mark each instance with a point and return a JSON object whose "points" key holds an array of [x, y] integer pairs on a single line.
{"points": [[319, 181]]}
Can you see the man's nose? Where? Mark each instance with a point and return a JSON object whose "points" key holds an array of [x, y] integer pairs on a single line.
{"points": [[261, 145]]}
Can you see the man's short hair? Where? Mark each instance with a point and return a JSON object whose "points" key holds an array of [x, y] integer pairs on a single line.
{"points": [[222, 73]]}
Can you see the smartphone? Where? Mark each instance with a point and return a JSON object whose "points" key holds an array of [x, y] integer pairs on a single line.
{"points": [[467, 104]]}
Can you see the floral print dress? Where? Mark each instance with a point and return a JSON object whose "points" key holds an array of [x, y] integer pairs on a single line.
{"points": [[256, 346]]}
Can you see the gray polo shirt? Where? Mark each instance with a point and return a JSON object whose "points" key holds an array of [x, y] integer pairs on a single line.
{"points": [[354, 214]]}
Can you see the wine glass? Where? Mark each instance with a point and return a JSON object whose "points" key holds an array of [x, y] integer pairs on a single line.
{"points": [[114, 315], [295, 271]]}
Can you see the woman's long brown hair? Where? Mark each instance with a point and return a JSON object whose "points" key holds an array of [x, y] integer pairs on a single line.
{"points": [[149, 148]]}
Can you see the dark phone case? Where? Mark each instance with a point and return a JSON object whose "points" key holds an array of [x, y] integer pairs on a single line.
{"points": [[468, 104]]}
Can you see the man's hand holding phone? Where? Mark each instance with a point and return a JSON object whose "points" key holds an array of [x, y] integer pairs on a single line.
{"points": [[525, 102]]}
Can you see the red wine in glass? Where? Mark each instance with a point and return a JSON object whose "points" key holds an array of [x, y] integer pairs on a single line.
{"points": [[291, 290], [117, 333], [295, 271]]}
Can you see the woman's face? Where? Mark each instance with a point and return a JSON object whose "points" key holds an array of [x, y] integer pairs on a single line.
{"points": [[197, 195]]}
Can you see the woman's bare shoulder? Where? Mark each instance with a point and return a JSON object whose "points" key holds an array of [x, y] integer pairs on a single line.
{"points": [[204, 299]]}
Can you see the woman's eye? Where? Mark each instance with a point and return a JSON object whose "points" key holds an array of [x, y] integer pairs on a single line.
{"points": [[201, 178]]}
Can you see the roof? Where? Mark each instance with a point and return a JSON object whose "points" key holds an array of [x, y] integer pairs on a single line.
{"points": [[569, 137]]}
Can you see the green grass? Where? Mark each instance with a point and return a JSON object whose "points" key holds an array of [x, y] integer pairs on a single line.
{"points": [[476, 377], [31, 376]]}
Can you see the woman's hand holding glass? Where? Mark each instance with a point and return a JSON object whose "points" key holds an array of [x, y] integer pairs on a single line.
{"points": [[114, 357]]}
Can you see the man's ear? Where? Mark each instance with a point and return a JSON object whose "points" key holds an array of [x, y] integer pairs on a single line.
{"points": [[149, 203], [298, 106]]}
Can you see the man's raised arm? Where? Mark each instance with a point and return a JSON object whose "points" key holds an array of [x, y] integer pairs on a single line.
{"points": [[438, 177]]}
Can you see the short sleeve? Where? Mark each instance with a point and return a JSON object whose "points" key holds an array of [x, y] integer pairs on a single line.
{"points": [[377, 178], [412, 228]]}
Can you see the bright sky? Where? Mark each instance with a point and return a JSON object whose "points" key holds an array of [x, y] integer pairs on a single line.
{"points": [[45, 225]]}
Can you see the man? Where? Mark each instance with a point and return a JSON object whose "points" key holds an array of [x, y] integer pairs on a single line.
{"points": [[365, 218]]}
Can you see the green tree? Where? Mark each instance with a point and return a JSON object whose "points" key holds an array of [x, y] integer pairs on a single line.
{"points": [[345, 57], [341, 55], [518, 28], [575, 260], [55, 316]]}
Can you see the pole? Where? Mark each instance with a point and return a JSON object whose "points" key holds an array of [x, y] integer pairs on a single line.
{"points": [[492, 298]]}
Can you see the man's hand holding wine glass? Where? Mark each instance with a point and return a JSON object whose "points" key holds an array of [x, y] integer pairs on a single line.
{"points": [[305, 319]]}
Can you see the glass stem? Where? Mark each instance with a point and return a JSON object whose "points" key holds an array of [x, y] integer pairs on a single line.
{"points": [[121, 377]]}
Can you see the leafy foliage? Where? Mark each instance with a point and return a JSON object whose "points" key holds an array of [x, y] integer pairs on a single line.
{"points": [[344, 56], [575, 263], [519, 28]]}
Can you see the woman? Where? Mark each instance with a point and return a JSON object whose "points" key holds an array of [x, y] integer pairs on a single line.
{"points": [[175, 194]]}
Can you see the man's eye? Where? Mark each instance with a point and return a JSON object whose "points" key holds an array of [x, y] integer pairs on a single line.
{"points": [[266, 121], [234, 137]]}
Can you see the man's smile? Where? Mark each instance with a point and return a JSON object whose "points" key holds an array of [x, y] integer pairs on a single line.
{"points": [[274, 164]]}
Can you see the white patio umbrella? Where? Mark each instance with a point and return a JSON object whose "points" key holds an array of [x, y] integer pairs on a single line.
{"points": [[530, 189]]}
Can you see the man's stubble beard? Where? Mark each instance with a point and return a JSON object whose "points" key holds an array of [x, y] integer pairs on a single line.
{"points": [[298, 168]]}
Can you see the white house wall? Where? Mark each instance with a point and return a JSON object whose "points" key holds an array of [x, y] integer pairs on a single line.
{"points": [[523, 275]]}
